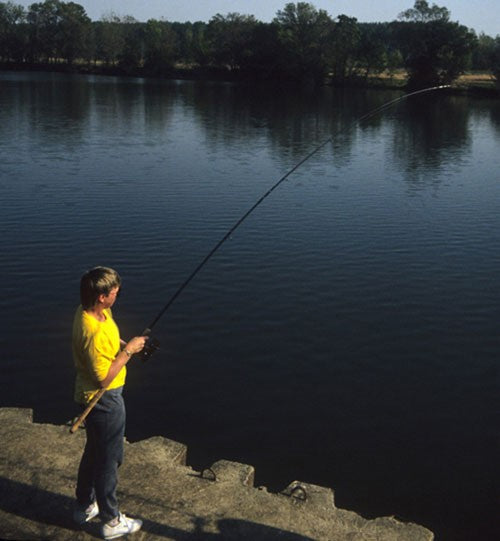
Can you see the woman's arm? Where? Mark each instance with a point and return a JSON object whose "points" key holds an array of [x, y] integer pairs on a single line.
{"points": [[134, 346]]}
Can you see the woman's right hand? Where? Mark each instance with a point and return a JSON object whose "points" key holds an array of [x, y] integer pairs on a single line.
{"points": [[136, 344]]}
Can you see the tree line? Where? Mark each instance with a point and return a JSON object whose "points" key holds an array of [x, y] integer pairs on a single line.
{"points": [[301, 43]]}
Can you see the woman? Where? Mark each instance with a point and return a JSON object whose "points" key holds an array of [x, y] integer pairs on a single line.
{"points": [[100, 357]]}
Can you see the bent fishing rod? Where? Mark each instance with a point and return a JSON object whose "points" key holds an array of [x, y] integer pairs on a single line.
{"points": [[280, 181], [152, 344]]}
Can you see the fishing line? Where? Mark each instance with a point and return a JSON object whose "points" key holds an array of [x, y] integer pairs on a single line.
{"points": [[268, 193]]}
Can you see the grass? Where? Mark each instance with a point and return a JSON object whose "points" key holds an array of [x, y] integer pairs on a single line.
{"points": [[470, 81], [476, 80]]}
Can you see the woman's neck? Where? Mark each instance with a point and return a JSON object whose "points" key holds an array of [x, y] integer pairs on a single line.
{"points": [[96, 312]]}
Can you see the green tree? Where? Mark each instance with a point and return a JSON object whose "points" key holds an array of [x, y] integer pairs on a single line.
{"points": [[132, 53], [435, 50], [495, 60], [199, 48], [160, 47], [57, 30], [303, 33], [110, 39], [184, 39], [372, 54], [42, 20], [263, 63], [73, 30], [344, 48], [421, 12], [394, 61], [12, 35], [232, 39], [482, 54]]}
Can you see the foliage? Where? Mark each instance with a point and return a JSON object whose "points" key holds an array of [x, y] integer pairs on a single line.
{"points": [[57, 30], [159, 47], [495, 60], [231, 39], [72, 31], [423, 13], [372, 53], [109, 39], [302, 43], [435, 50], [42, 23], [344, 48], [483, 53], [303, 34], [13, 39], [193, 45]]}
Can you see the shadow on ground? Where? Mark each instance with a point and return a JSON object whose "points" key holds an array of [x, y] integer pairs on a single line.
{"points": [[52, 513]]}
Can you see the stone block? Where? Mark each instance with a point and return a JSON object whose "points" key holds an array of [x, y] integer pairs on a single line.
{"points": [[158, 450], [233, 472], [16, 415]]}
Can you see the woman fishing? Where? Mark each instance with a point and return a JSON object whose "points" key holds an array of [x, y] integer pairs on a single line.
{"points": [[100, 358]]}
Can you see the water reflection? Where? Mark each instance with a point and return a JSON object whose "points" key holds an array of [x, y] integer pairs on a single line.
{"points": [[158, 101], [492, 107], [54, 110], [429, 135], [292, 122], [429, 129]]}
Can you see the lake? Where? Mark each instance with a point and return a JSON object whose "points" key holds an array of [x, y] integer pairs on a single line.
{"points": [[346, 334]]}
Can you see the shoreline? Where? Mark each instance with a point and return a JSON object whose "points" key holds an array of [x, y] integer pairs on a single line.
{"points": [[481, 85], [38, 464]]}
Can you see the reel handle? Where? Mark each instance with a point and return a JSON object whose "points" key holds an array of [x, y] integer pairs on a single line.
{"points": [[151, 345]]}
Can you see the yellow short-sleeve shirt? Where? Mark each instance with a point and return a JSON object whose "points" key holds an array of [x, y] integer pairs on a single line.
{"points": [[95, 346]]}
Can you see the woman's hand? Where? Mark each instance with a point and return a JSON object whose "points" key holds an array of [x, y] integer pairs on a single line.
{"points": [[136, 344], [131, 347]]}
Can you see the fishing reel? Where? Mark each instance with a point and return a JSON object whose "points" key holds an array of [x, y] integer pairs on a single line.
{"points": [[151, 345]]}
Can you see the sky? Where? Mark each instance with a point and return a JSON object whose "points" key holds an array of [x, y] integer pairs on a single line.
{"points": [[480, 15]]}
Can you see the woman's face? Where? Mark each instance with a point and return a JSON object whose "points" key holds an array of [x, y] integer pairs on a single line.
{"points": [[110, 298]]}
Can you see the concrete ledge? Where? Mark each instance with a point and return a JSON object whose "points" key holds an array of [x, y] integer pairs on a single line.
{"points": [[231, 472], [311, 494], [39, 462], [158, 450], [16, 415]]}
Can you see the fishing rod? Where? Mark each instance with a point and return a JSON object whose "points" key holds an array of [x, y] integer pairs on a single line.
{"points": [[152, 344], [263, 197]]}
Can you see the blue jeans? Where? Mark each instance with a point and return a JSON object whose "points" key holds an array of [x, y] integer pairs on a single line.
{"points": [[103, 454]]}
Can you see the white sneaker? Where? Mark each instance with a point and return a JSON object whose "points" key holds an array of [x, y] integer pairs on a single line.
{"points": [[123, 526], [81, 516]]}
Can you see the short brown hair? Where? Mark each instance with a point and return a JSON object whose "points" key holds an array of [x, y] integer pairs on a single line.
{"points": [[95, 282]]}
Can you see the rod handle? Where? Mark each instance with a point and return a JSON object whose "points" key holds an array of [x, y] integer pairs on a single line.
{"points": [[87, 410]]}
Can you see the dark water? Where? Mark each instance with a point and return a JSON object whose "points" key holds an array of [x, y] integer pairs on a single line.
{"points": [[346, 335]]}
